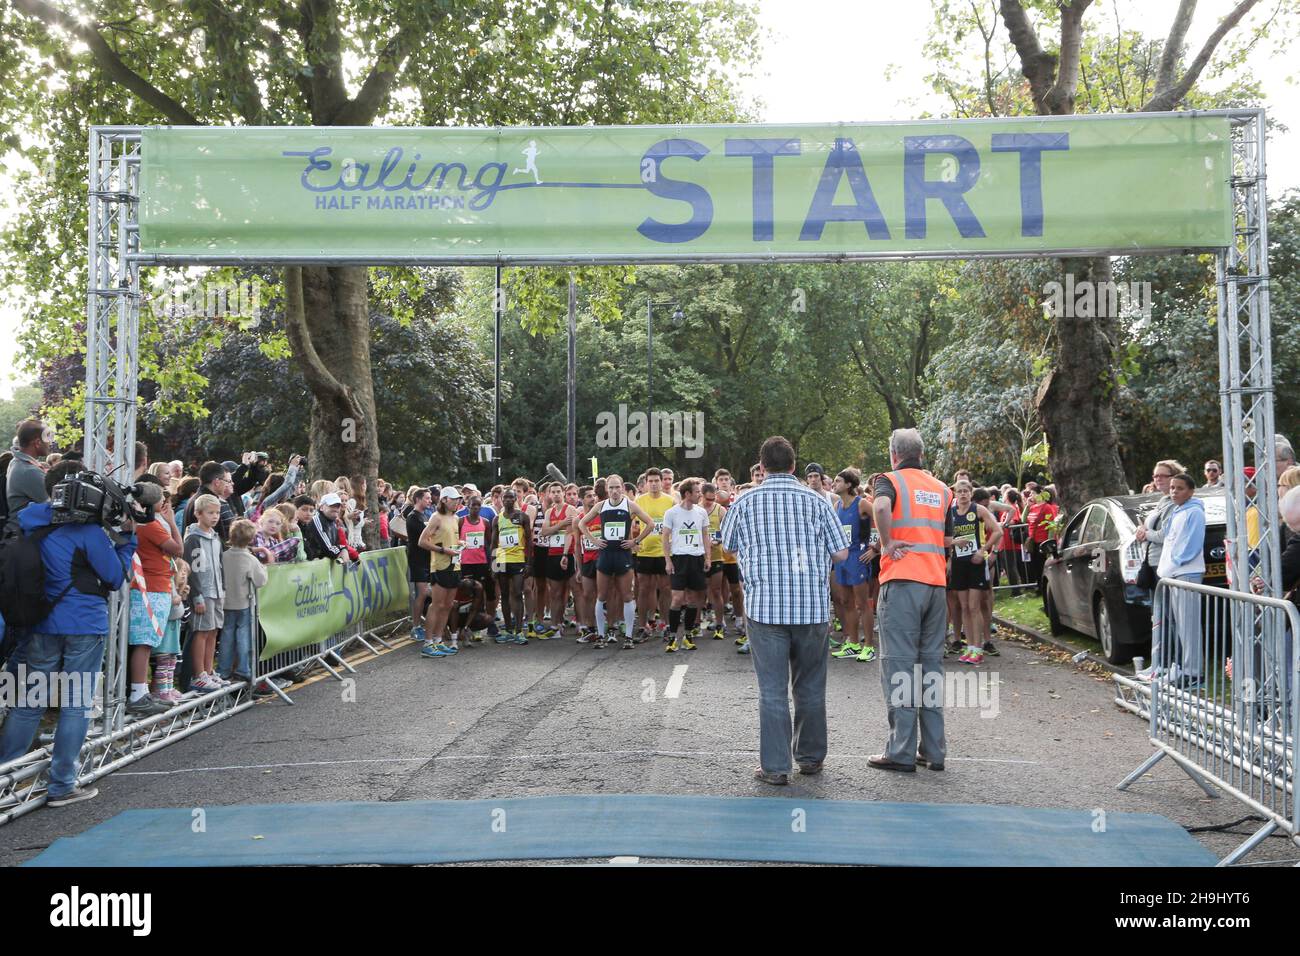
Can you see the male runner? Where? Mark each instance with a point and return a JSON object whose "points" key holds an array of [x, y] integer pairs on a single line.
{"points": [[614, 562], [511, 544], [652, 589], [684, 546]]}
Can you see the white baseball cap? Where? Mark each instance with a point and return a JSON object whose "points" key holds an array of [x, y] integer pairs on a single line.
{"points": [[450, 492], [330, 499]]}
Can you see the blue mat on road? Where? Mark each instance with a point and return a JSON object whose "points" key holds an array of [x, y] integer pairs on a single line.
{"points": [[676, 827]]}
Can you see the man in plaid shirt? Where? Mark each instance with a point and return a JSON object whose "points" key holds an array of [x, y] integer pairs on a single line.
{"points": [[785, 536]]}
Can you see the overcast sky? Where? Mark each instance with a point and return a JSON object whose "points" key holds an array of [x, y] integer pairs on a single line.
{"points": [[827, 60]]}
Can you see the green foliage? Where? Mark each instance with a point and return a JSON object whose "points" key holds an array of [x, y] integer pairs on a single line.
{"points": [[495, 62], [25, 403]]}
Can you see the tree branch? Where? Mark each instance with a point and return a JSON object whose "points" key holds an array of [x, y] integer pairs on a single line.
{"points": [[109, 61], [1036, 64], [362, 109], [1172, 53], [1060, 99], [320, 378], [1170, 97]]}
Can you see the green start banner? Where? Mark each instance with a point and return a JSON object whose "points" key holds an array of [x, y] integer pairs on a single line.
{"points": [[1102, 183], [307, 601]]}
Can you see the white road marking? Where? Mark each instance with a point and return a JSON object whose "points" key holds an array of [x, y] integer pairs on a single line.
{"points": [[549, 756], [674, 688]]}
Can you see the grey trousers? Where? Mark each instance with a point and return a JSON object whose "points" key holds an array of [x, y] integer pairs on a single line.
{"points": [[786, 656], [913, 619]]}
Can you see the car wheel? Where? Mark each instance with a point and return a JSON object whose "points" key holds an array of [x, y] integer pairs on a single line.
{"points": [[1115, 651], [1053, 618]]}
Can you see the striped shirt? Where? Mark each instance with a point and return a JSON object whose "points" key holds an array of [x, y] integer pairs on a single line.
{"points": [[784, 534]]}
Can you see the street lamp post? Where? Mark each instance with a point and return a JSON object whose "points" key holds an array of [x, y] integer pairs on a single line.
{"points": [[650, 371]]}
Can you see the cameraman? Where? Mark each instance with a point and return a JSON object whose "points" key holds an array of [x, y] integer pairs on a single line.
{"points": [[82, 567]]}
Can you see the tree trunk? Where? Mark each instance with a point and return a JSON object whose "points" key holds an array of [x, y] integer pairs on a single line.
{"points": [[336, 317], [1076, 401]]}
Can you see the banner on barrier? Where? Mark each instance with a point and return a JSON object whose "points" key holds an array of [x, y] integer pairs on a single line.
{"points": [[1118, 183], [307, 601]]}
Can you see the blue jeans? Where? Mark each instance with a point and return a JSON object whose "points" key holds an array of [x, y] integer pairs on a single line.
{"points": [[790, 657], [236, 645], [78, 658]]}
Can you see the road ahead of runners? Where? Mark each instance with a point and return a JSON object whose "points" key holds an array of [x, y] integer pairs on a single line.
{"points": [[559, 717]]}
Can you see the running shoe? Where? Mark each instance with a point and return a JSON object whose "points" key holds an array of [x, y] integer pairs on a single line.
{"points": [[476, 636], [847, 649], [588, 637], [839, 625], [519, 639], [743, 648], [867, 655], [450, 648], [549, 634], [671, 648], [433, 650], [417, 634], [693, 633], [950, 649], [973, 655], [688, 644], [627, 644], [504, 637], [717, 634], [741, 640], [990, 650], [641, 636]]}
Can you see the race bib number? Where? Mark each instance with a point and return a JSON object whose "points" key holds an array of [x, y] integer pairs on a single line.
{"points": [[474, 539], [510, 539], [930, 499], [965, 546], [874, 539], [615, 531], [557, 541], [717, 537], [690, 536], [848, 531], [659, 525]]}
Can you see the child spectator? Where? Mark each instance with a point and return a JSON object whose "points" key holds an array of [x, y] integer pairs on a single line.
{"points": [[293, 512], [271, 539], [207, 585], [243, 575], [158, 541], [163, 685]]}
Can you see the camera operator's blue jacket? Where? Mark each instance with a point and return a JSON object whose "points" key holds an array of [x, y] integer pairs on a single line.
{"points": [[78, 612]]}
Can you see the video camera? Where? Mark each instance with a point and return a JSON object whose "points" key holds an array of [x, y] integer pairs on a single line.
{"points": [[91, 498]]}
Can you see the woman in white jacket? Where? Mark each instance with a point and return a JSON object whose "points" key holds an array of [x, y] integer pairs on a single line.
{"points": [[1183, 558]]}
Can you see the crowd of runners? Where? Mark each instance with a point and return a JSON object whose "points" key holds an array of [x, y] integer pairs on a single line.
{"points": [[621, 563]]}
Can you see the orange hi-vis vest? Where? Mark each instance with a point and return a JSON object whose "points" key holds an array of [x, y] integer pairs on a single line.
{"points": [[920, 512]]}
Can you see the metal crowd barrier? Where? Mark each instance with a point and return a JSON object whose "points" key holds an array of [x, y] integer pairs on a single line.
{"points": [[1230, 726], [23, 781]]}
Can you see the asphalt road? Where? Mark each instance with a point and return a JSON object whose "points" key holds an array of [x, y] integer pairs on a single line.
{"points": [[560, 717]]}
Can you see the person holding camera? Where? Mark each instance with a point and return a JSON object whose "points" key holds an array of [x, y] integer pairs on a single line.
{"points": [[83, 564]]}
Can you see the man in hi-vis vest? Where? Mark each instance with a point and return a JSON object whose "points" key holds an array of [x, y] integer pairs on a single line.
{"points": [[914, 518]]}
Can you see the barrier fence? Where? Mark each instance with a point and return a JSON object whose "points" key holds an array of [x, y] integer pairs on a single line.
{"points": [[313, 611], [1222, 700]]}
